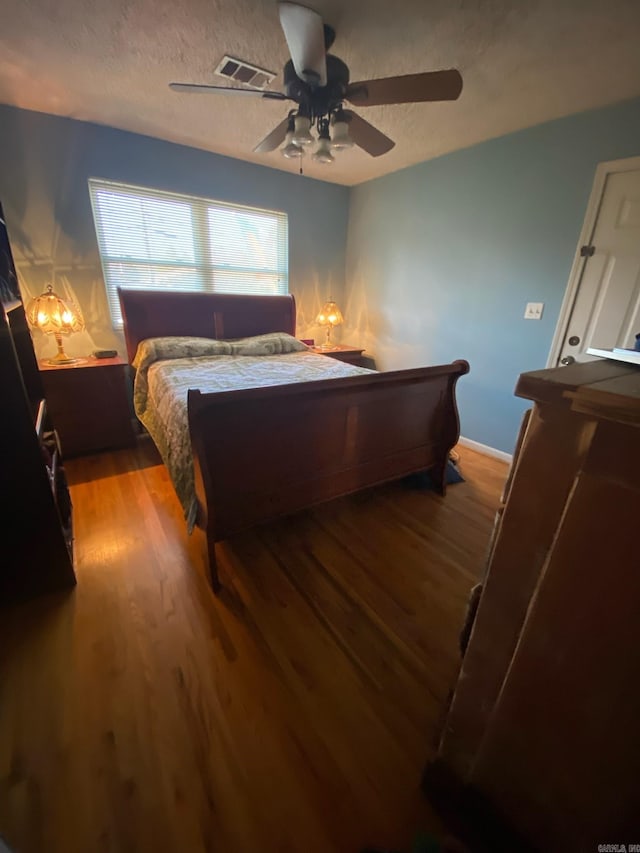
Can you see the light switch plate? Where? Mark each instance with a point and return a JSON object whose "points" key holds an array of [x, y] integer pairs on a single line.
{"points": [[533, 311]]}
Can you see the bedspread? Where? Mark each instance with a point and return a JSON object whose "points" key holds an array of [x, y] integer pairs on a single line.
{"points": [[162, 385]]}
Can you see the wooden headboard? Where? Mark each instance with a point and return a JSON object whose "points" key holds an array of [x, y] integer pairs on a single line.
{"points": [[160, 313]]}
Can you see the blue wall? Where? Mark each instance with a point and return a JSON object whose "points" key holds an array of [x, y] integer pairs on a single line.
{"points": [[442, 257], [45, 162]]}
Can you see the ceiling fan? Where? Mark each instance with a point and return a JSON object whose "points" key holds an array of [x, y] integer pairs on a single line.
{"points": [[318, 83]]}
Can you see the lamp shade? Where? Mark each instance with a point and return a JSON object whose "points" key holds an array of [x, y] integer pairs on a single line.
{"points": [[55, 316], [330, 315], [323, 154], [302, 134], [340, 136], [290, 149]]}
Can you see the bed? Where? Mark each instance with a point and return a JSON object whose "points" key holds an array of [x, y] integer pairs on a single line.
{"points": [[277, 445]]}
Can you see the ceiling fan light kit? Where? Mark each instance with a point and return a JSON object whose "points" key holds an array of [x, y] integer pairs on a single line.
{"points": [[319, 83], [290, 150], [340, 138], [323, 154], [302, 132]]}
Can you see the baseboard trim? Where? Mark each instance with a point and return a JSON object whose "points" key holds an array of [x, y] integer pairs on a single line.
{"points": [[485, 449]]}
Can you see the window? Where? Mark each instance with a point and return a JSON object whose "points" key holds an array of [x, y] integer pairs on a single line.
{"points": [[153, 239]]}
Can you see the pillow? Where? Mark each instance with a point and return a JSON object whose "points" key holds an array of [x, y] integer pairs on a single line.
{"points": [[154, 349], [271, 343]]}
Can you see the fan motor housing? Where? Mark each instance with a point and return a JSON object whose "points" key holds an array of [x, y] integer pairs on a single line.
{"points": [[319, 100]]}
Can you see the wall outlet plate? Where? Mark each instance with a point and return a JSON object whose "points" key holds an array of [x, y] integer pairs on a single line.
{"points": [[533, 311]]}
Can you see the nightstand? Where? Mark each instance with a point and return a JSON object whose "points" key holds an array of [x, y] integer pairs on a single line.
{"points": [[342, 352], [89, 404]]}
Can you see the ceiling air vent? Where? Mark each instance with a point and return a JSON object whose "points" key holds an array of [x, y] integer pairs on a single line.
{"points": [[244, 72]]}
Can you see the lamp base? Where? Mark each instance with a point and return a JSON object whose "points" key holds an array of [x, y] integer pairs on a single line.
{"points": [[62, 358], [327, 343]]}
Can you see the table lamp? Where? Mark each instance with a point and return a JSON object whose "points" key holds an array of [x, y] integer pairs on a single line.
{"points": [[55, 316], [329, 316]]}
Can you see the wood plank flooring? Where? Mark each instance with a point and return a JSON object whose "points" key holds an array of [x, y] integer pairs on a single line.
{"points": [[293, 713]]}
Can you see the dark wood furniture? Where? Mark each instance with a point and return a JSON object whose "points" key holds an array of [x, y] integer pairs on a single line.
{"points": [[343, 352], [265, 452], [90, 404], [543, 726], [36, 537]]}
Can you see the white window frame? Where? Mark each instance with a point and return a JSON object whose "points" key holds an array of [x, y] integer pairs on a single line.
{"points": [[203, 266]]}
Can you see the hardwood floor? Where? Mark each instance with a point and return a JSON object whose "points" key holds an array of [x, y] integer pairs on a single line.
{"points": [[293, 713]]}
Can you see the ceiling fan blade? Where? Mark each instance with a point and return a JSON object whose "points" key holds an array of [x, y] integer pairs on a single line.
{"points": [[368, 137], [304, 31], [408, 89], [201, 89], [274, 139]]}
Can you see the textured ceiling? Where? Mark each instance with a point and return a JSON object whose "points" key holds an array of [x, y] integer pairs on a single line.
{"points": [[109, 61]]}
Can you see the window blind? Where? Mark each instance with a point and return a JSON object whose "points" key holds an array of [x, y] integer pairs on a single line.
{"points": [[153, 239]]}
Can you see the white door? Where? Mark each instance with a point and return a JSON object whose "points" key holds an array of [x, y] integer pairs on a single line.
{"points": [[606, 311]]}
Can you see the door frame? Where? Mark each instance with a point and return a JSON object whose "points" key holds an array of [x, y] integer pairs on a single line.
{"points": [[603, 170]]}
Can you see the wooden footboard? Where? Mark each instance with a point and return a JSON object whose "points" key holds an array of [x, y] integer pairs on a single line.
{"points": [[266, 452]]}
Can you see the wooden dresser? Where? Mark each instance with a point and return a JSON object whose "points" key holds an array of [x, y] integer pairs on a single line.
{"points": [[36, 523], [543, 731], [89, 404]]}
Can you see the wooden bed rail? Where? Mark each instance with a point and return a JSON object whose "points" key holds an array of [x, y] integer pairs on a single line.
{"points": [[267, 452]]}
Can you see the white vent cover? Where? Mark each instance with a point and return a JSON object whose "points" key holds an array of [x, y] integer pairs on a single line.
{"points": [[244, 72]]}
